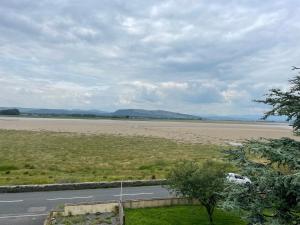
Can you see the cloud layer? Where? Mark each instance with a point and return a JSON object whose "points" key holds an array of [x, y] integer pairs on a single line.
{"points": [[199, 57]]}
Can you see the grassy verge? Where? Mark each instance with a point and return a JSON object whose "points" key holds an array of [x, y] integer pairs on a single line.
{"points": [[50, 157], [178, 215]]}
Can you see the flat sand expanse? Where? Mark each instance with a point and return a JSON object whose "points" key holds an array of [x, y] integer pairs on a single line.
{"points": [[186, 131]]}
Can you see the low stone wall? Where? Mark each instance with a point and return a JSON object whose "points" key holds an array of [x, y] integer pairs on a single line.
{"points": [[85, 209], [135, 204], [81, 209], [79, 186], [117, 207]]}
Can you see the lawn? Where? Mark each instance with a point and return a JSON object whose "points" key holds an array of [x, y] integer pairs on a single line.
{"points": [[179, 215], [35, 157]]}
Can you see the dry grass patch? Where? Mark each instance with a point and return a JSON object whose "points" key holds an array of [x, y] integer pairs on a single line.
{"points": [[32, 157]]}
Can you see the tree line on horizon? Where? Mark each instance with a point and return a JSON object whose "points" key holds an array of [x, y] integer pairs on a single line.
{"points": [[10, 112]]}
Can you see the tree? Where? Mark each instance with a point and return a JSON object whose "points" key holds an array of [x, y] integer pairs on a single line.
{"points": [[273, 166], [10, 112], [204, 183], [285, 103]]}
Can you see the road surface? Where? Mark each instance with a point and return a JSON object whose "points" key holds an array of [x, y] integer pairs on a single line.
{"points": [[31, 208]]}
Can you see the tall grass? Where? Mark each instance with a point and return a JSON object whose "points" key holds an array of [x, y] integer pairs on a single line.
{"points": [[34, 157]]}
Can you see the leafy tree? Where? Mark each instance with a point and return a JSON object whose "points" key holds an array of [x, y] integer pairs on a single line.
{"points": [[285, 103], [274, 194], [204, 183]]}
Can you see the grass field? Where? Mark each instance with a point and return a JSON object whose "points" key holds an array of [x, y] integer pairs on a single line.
{"points": [[35, 157], [178, 215]]}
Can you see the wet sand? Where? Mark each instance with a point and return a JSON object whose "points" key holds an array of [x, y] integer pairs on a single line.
{"points": [[186, 131]]}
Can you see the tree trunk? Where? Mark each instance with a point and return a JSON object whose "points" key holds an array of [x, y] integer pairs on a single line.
{"points": [[210, 211], [211, 222]]}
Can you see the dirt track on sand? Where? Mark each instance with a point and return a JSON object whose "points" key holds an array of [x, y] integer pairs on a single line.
{"points": [[187, 131]]}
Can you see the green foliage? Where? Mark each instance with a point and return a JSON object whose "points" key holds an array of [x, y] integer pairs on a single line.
{"points": [[285, 103], [274, 195], [178, 215], [204, 183], [273, 167]]}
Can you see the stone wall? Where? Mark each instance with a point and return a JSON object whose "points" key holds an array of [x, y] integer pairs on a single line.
{"points": [[134, 204], [117, 207], [81, 209], [79, 186]]}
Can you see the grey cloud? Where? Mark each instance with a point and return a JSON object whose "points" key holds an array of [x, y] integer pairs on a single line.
{"points": [[225, 54], [170, 93]]}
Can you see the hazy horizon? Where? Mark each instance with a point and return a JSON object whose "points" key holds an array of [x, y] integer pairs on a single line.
{"points": [[204, 116]]}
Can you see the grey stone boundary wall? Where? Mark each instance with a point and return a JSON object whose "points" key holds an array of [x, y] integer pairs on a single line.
{"points": [[79, 186], [118, 207]]}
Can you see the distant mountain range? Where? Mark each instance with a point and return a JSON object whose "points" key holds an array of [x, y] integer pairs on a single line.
{"points": [[61, 111], [137, 114], [122, 113], [154, 114]]}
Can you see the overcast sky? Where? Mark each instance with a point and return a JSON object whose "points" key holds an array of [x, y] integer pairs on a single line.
{"points": [[194, 56]]}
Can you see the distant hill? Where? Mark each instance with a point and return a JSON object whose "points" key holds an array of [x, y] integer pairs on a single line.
{"points": [[152, 114], [9, 112], [122, 113], [61, 112]]}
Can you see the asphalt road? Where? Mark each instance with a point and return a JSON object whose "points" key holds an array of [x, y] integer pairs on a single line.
{"points": [[31, 208]]}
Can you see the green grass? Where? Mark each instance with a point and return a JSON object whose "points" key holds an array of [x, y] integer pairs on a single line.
{"points": [[178, 215], [29, 157]]}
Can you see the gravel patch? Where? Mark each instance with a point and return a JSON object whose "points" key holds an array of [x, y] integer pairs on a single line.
{"points": [[88, 219]]}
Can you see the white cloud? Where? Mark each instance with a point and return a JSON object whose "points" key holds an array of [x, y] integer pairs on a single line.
{"points": [[174, 85], [191, 56], [18, 91], [262, 22]]}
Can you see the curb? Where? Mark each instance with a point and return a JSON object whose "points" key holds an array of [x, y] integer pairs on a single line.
{"points": [[79, 186]]}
